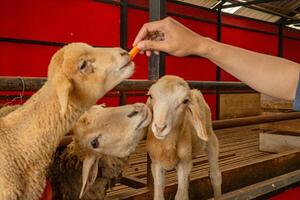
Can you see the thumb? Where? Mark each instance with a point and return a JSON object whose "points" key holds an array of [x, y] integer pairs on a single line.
{"points": [[152, 45]]}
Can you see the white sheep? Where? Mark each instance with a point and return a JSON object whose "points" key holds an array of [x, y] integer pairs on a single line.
{"points": [[103, 140], [181, 126], [78, 75]]}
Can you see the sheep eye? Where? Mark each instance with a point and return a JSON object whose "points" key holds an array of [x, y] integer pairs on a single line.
{"points": [[95, 143], [82, 65], [133, 113], [185, 101]]}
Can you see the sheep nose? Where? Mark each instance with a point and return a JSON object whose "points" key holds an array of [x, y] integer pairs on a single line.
{"points": [[160, 128]]}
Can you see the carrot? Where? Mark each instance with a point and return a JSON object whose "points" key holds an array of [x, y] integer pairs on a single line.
{"points": [[133, 52]]}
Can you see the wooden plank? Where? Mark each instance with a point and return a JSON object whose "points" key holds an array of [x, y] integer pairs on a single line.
{"points": [[279, 141], [235, 177], [239, 105], [8, 83], [133, 182], [264, 187], [245, 121]]}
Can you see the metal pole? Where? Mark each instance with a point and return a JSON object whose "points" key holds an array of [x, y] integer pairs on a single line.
{"points": [[156, 67], [219, 38], [123, 38], [280, 39], [157, 9], [123, 23], [123, 98]]}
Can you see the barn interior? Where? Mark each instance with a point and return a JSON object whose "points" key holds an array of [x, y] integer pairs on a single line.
{"points": [[245, 121]]}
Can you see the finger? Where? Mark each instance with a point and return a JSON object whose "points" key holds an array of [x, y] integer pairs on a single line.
{"points": [[153, 45], [156, 52], [148, 53], [147, 28]]}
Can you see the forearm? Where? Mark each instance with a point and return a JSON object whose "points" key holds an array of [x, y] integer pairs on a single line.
{"points": [[271, 75]]}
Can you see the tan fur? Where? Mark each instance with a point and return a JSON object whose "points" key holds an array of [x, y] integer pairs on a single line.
{"points": [[30, 135], [177, 131], [119, 135], [8, 109]]}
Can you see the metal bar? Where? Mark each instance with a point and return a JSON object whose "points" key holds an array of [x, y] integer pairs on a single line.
{"points": [[123, 98], [248, 3], [280, 39], [219, 38], [183, 3], [156, 66], [157, 11], [108, 2], [33, 84], [289, 22], [219, 5], [261, 9], [123, 23], [246, 121], [264, 187], [29, 41]]}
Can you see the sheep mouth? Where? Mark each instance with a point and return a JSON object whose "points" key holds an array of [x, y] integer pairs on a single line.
{"points": [[142, 121], [128, 64], [160, 137]]}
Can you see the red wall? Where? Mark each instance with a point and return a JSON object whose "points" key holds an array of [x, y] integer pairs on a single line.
{"points": [[64, 21]]}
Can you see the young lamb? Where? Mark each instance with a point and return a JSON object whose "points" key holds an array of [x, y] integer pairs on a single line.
{"points": [[181, 125], [78, 75], [103, 140]]}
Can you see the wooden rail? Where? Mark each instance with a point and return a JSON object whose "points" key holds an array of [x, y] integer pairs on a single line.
{"points": [[240, 176], [33, 84], [245, 121]]}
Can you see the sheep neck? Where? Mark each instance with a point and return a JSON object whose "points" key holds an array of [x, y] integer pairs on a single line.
{"points": [[41, 127]]}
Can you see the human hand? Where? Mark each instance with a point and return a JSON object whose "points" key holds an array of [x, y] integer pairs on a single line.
{"points": [[172, 37]]}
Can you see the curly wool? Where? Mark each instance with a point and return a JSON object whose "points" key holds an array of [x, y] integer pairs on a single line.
{"points": [[66, 170]]}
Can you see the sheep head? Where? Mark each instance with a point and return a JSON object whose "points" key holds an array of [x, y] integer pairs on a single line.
{"points": [[113, 131], [171, 100], [84, 73]]}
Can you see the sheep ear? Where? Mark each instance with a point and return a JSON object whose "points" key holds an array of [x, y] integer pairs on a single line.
{"points": [[63, 87], [89, 173], [195, 117]]}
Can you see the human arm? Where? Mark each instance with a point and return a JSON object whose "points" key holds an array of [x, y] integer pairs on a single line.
{"points": [[271, 75]]}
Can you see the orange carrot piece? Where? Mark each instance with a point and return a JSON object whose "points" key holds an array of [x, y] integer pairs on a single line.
{"points": [[133, 52]]}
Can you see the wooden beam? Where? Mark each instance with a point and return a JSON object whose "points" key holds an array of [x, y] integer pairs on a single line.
{"points": [[279, 141], [34, 83], [245, 121], [133, 182], [264, 187]]}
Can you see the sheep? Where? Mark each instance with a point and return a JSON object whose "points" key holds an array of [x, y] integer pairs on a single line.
{"points": [[103, 140], [8, 109], [78, 75], [181, 126]]}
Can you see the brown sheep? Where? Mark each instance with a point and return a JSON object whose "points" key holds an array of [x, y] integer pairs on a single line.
{"points": [[78, 75], [103, 140]]}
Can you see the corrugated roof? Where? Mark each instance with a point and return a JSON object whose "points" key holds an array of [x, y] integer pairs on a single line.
{"points": [[289, 9]]}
